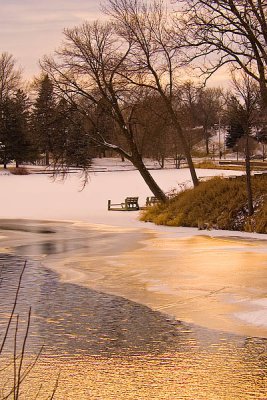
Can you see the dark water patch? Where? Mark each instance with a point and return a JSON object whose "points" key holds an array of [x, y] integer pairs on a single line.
{"points": [[74, 319], [51, 247], [31, 229], [107, 243], [25, 227], [71, 319]]}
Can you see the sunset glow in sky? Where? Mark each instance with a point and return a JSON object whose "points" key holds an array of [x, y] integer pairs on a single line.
{"points": [[31, 28]]}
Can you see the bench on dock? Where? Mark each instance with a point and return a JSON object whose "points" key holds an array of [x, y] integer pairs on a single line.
{"points": [[151, 201], [129, 204]]}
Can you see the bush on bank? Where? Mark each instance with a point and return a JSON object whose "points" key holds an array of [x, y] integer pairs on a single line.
{"points": [[215, 204]]}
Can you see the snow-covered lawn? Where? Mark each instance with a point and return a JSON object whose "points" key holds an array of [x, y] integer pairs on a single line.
{"points": [[41, 197]]}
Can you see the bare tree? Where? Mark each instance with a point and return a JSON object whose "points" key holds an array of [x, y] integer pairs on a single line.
{"points": [[153, 59], [198, 111], [10, 76], [218, 32], [89, 68], [155, 136]]}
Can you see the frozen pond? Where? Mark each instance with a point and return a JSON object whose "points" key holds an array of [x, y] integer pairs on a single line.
{"points": [[131, 314]]}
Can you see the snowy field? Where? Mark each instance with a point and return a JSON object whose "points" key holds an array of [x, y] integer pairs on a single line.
{"points": [[42, 197]]}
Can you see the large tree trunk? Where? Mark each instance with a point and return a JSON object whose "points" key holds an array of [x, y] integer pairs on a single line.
{"points": [[153, 186], [248, 179], [206, 136], [47, 158], [191, 167], [177, 162], [207, 146], [136, 159]]}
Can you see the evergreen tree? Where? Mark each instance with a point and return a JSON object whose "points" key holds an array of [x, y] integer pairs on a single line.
{"points": [[234, 132], [14, 130], [44, 117], [71, 144], [7, 121], [23, 148], [10, 81]]}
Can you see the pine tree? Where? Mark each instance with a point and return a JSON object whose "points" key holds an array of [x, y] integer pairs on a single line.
{"points": [[5, 128], [234, 132], [23, 148], [44, 117], [14, 131], [71, 144]]}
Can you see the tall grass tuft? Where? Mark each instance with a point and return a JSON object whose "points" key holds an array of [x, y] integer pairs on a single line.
{"points": [[218, 203]]}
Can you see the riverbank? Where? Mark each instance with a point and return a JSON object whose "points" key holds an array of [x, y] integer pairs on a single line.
{"points": [[215, 204]]}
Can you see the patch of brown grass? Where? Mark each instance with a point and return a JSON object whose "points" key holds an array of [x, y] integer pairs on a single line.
{"points": [[217, 203], [19, 171]]}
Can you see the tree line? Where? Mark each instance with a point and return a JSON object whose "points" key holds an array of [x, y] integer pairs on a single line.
{"points": [[39, 121], [39, 127]]}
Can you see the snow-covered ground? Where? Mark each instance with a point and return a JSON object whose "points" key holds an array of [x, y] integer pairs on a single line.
{"points": [[40, 197]]}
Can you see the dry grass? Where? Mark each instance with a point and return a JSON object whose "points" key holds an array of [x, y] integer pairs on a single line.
{"points": [[209, 164], [19, 171], [218, 203]]}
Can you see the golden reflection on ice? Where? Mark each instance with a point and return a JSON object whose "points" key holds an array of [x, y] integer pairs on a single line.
{"points": [[108, 348], [211, 376], [204, 280]]}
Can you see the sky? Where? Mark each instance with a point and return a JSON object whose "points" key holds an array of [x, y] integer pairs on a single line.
{"points": [[31, 28]]}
